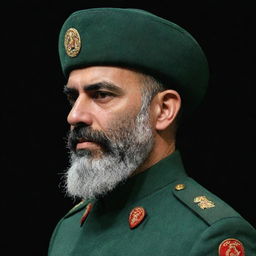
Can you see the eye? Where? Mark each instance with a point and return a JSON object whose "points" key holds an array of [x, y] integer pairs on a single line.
{"points": [[71, 99], [71, 95], [102, 95]]}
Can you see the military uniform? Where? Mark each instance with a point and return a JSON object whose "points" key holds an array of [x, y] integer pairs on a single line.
{"points": [[180, 218], [160, 211]]}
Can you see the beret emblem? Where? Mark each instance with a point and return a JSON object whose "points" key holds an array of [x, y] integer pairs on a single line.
{"points": [[72, 42]]}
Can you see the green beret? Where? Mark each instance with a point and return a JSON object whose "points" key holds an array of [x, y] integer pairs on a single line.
{"points": [[139, 40]]}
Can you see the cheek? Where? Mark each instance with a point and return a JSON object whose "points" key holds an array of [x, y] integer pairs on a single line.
{"points": [[101, 120], [121, 122], [124, 113]]}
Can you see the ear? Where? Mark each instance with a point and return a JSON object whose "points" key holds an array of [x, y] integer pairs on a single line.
{"points": [[168, 105]]}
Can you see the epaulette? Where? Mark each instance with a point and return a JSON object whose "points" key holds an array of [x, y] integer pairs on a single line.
{"points": [[204, 203]]}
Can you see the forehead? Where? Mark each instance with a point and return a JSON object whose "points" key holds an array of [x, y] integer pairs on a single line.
{"points": [[124, 78]]}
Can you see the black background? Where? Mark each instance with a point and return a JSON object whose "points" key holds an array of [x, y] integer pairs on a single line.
{"points": [[218, 144]]}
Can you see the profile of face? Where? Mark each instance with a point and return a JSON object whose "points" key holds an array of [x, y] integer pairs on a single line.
{"points": [[111, 133]]}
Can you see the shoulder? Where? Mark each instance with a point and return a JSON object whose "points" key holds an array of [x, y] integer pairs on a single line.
{"points": [[226, 229], [201, 201]]}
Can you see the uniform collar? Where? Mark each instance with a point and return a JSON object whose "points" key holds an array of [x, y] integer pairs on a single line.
{"points": [[166, 171]]}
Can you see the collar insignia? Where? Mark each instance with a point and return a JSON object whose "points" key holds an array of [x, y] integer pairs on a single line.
{"points": [[136, 216]]}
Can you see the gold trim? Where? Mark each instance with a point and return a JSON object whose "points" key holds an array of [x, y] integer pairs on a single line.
{"points": [[203, 202]]}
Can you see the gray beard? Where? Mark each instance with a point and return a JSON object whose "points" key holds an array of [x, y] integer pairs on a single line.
{"points": [[131, 141]]}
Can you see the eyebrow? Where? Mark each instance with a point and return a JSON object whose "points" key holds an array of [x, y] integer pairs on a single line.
{"points": [[94, 87], [67, 90]]}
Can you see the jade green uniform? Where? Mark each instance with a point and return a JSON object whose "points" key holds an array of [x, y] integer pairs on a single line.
{"points": [[174, 224], [182, 218]]}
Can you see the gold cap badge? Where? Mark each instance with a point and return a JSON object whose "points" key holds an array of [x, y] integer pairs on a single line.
{"points": [[72, 42]]}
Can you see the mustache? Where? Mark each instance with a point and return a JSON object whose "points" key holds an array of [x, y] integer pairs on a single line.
{"points": [[82, 133]]}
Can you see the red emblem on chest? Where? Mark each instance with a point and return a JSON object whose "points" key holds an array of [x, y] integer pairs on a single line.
{"points": [[86, 212], [231, 247], [136, 216]]}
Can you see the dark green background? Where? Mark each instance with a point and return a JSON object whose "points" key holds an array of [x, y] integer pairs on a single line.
{"points": [[218, 145]]}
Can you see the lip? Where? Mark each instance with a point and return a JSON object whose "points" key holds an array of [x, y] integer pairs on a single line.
{"points": [[86, 145]]}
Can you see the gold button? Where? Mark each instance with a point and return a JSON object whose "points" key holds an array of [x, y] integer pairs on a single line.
{"points": [[179, 187]]}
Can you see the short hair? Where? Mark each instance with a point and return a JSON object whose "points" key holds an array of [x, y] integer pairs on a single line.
{"points": [[151, 87]]}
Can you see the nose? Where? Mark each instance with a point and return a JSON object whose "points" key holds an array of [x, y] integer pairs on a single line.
{"points": [[80, 112]]}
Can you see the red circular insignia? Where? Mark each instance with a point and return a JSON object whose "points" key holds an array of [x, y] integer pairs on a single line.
{"points": [[231, 247], [136, 216], [86, 212]]}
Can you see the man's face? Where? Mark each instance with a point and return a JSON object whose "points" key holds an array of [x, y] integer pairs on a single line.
{"points": [[111, 135], [100, 96]]}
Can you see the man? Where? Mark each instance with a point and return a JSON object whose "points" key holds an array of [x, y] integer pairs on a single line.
{"points": [[131, 78]]}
